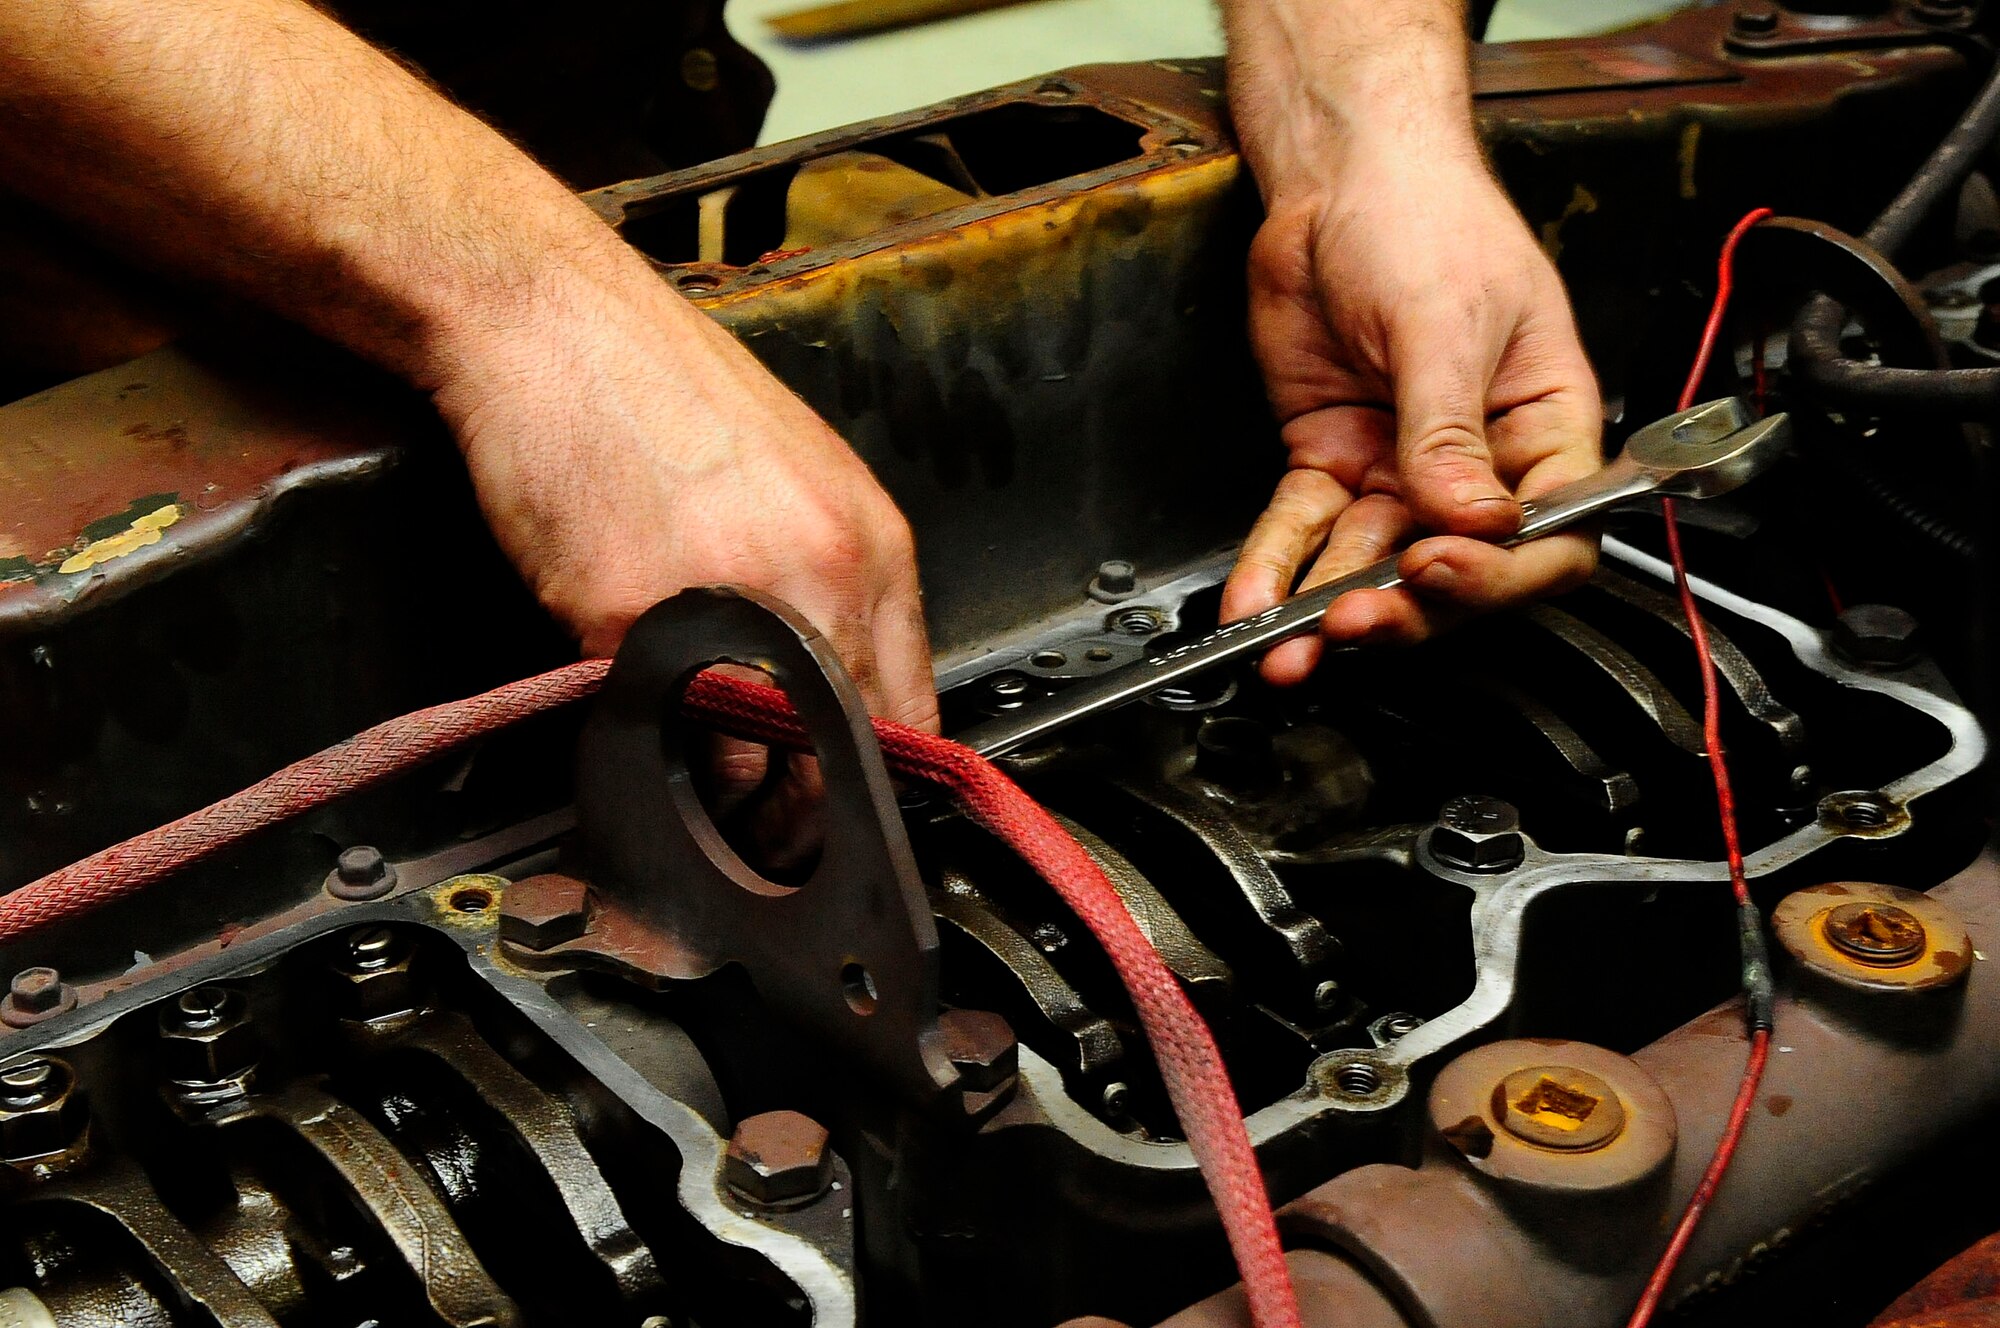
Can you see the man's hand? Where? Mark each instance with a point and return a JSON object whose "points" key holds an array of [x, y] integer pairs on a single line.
{"points": [[1416, 343], [622, 446], [655, 453]]}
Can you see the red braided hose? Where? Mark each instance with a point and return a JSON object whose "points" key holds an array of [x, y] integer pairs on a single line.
{"points": [[1190, 1063]]}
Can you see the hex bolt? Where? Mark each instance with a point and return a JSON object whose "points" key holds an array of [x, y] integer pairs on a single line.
{"points": [[982, 1049], [1558, 1107], [361, 873], [1326, 996], [1876, 636], [1115, 576], [541, 912], [1879, 935], [375, 975], [778, 1158], [1479, 833], [35, 994], [1758, 22], [41, 1109], [207, 1035], [1116, 1099]]}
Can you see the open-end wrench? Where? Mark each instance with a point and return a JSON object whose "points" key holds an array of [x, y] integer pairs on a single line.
{"points": [[1706, 450]]}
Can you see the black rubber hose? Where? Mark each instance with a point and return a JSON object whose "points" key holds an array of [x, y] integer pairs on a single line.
{"points": [[1941, 393], [1944, 170]]}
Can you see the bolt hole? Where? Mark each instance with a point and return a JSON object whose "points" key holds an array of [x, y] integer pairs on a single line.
{"points": [[1136, 622], [1048, 659], [1187, 147], [1097, 655], [1053, 88], [1357, 1078], [697, 281], [474, 899], [858, 985]]}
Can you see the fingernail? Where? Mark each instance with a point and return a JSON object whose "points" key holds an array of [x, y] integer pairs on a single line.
{"points": [[1473, 493]]}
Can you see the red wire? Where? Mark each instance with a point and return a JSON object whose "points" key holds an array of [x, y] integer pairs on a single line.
{"points": [[1725, 804]]}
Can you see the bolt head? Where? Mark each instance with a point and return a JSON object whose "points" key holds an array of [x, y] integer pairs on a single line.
{"points": [[1115, 576], [374, 978], [778, 1157], [1479, 833], [1876, 636], [361, 873], [207, 1035], [1757, 22], [982, 1048], [42, 1111], [541, 912], [37, 989]]}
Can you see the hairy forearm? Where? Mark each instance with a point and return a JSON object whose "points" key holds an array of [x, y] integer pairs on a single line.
{"points": [[1312, 80], [258, 145]]}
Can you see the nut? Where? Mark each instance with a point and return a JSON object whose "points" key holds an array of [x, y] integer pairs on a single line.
{"points": [[41, 1109], [541, 912], [1479, 833], [1876, 636], [1560, 1107], [207, 1034], [375, 976], [361, 873], [779, 1157], [36, 994], [982, 1048]]}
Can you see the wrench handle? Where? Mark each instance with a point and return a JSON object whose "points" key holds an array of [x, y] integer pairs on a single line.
{"points": [[1579, 500]]}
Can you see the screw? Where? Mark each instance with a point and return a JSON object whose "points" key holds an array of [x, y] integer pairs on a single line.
{"points": [[40, 1110], [375, 975], [1559, 1107], [361, 873], [1115, 576], [1755, 22], [1049, 938], [36, 994], [1326, 995], [27, 1084], [1479, 833], [1117, 1099], [1878, 636], [779, 1157], [208, 1036], [982, 1048], [1880, 935]]}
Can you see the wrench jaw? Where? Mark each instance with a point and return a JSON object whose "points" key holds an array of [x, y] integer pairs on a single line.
{"points": [[1710, 449]]}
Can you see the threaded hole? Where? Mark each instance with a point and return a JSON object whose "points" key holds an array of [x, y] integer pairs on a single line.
{"points": [[1357, 1078]]}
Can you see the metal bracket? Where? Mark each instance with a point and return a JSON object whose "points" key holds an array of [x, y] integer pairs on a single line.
{"points": [[850, 956]]}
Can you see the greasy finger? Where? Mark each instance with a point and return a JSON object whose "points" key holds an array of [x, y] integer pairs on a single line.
{"points": [[1288, 534], [1441, 451], [1367, 531], [903, 658], [1485, 576], [1376, 617]]}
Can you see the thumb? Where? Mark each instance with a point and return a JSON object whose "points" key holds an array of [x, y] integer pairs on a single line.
{"points": [[1442, 459]]}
